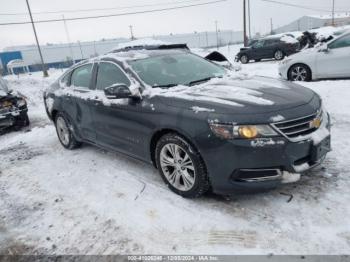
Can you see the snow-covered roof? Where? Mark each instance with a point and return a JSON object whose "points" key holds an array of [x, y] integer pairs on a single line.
{"points": [[140, 42], [329, 16]]}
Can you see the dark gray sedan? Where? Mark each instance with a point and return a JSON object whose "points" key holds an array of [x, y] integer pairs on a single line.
{"points": [[203, 126]]}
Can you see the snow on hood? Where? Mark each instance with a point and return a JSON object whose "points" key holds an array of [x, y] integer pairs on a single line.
{"points": [[2, 93], [3, 88], [218, 90]]}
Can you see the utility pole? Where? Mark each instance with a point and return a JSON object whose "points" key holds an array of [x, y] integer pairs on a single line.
{"points": [[37, 42], [249, 28], [81, 51], [271, 24], [95, 50], [68, 39], [131, 33], [206, 38], [217, 34], [244, 24], [333, 6]]}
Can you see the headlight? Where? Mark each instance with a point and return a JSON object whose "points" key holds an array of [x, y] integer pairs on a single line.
{"points": [[6, 104], [229, 131], [21, 102]]}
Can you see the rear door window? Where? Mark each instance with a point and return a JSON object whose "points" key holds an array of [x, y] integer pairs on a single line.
{"points": [[258, 44]]}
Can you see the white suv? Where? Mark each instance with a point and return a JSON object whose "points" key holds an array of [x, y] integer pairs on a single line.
{"points": [[330, 60]]}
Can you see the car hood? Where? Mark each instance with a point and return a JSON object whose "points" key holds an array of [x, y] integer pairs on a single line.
{"points": [[305, 52], [3, 93], [234, 95], [245, 48]]}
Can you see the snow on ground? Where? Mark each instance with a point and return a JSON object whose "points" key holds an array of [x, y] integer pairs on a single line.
{"points": [[89, 201]]}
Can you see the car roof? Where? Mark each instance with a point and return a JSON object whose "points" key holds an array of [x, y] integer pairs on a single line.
{"points": [[137, 53]]}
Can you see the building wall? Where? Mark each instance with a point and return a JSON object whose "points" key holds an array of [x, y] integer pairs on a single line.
{"points": [[308, 22], [60, 55]]}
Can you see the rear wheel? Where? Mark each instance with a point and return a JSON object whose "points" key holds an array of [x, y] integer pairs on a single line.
{"points": [[299, 72], [278, 55], [181, 166], [64, 131], [244, 59]]}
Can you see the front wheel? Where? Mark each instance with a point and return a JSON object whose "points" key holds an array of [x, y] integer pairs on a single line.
{"points": [[244, 59], [64, 131], [278, 55], [299, 72], [181, 166]]}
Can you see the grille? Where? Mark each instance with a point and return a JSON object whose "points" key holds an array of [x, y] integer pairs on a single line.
{"points": [[4, 111], [300, 126]]}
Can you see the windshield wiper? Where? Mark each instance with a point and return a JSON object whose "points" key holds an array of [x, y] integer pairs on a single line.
{"points": [[168, 85], [200, 81]]}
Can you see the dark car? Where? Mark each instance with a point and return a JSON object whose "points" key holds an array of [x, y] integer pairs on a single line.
{"points": [[267, 48], [13, 109], [201, 125]]}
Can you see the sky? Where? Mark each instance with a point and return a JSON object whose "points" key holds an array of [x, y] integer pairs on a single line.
{"points": [[228, 14]]}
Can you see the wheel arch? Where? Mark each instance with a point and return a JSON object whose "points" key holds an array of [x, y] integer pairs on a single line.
{"points": [[160, 133]]}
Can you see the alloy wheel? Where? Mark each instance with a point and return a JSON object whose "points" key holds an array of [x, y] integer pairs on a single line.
{"points": [[62, 130], [299, 73], [177, 167]]}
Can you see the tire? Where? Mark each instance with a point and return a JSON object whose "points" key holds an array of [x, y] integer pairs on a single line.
{"points": [[64, 130], [278, 55], [244, 59], [188, 178], [299, 72], [26, 120]]}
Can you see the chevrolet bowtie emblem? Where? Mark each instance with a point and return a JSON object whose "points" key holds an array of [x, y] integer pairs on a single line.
{"points": [[316, 123]]}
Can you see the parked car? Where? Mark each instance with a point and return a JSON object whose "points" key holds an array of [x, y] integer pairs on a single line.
{"points": [[267, 48], [13, 109], [217, 58], [330, 60], [201, 125]]}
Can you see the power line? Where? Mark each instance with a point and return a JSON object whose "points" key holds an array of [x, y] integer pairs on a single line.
{"points": [[101, 9], [302, 6], [113, 15]]}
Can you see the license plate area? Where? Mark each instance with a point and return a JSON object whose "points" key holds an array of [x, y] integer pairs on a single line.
{"points": [[320, 150]]}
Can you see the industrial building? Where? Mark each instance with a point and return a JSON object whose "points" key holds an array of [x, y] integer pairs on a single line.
{"points": [[63, 55], [314, 21]]}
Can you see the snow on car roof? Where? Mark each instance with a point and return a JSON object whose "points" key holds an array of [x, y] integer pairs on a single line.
{"points": [[140, 42]]}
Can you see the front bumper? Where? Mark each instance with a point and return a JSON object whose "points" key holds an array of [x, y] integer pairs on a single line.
{"points": [[254, 165], [283, 70], [12, 118]]}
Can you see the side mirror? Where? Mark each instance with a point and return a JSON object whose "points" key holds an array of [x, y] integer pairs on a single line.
{"points": [[324, 49], [117, 91]]}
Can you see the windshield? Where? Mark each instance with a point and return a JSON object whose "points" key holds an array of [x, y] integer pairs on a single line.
{"points": [[3, 86], [175, 69]]}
